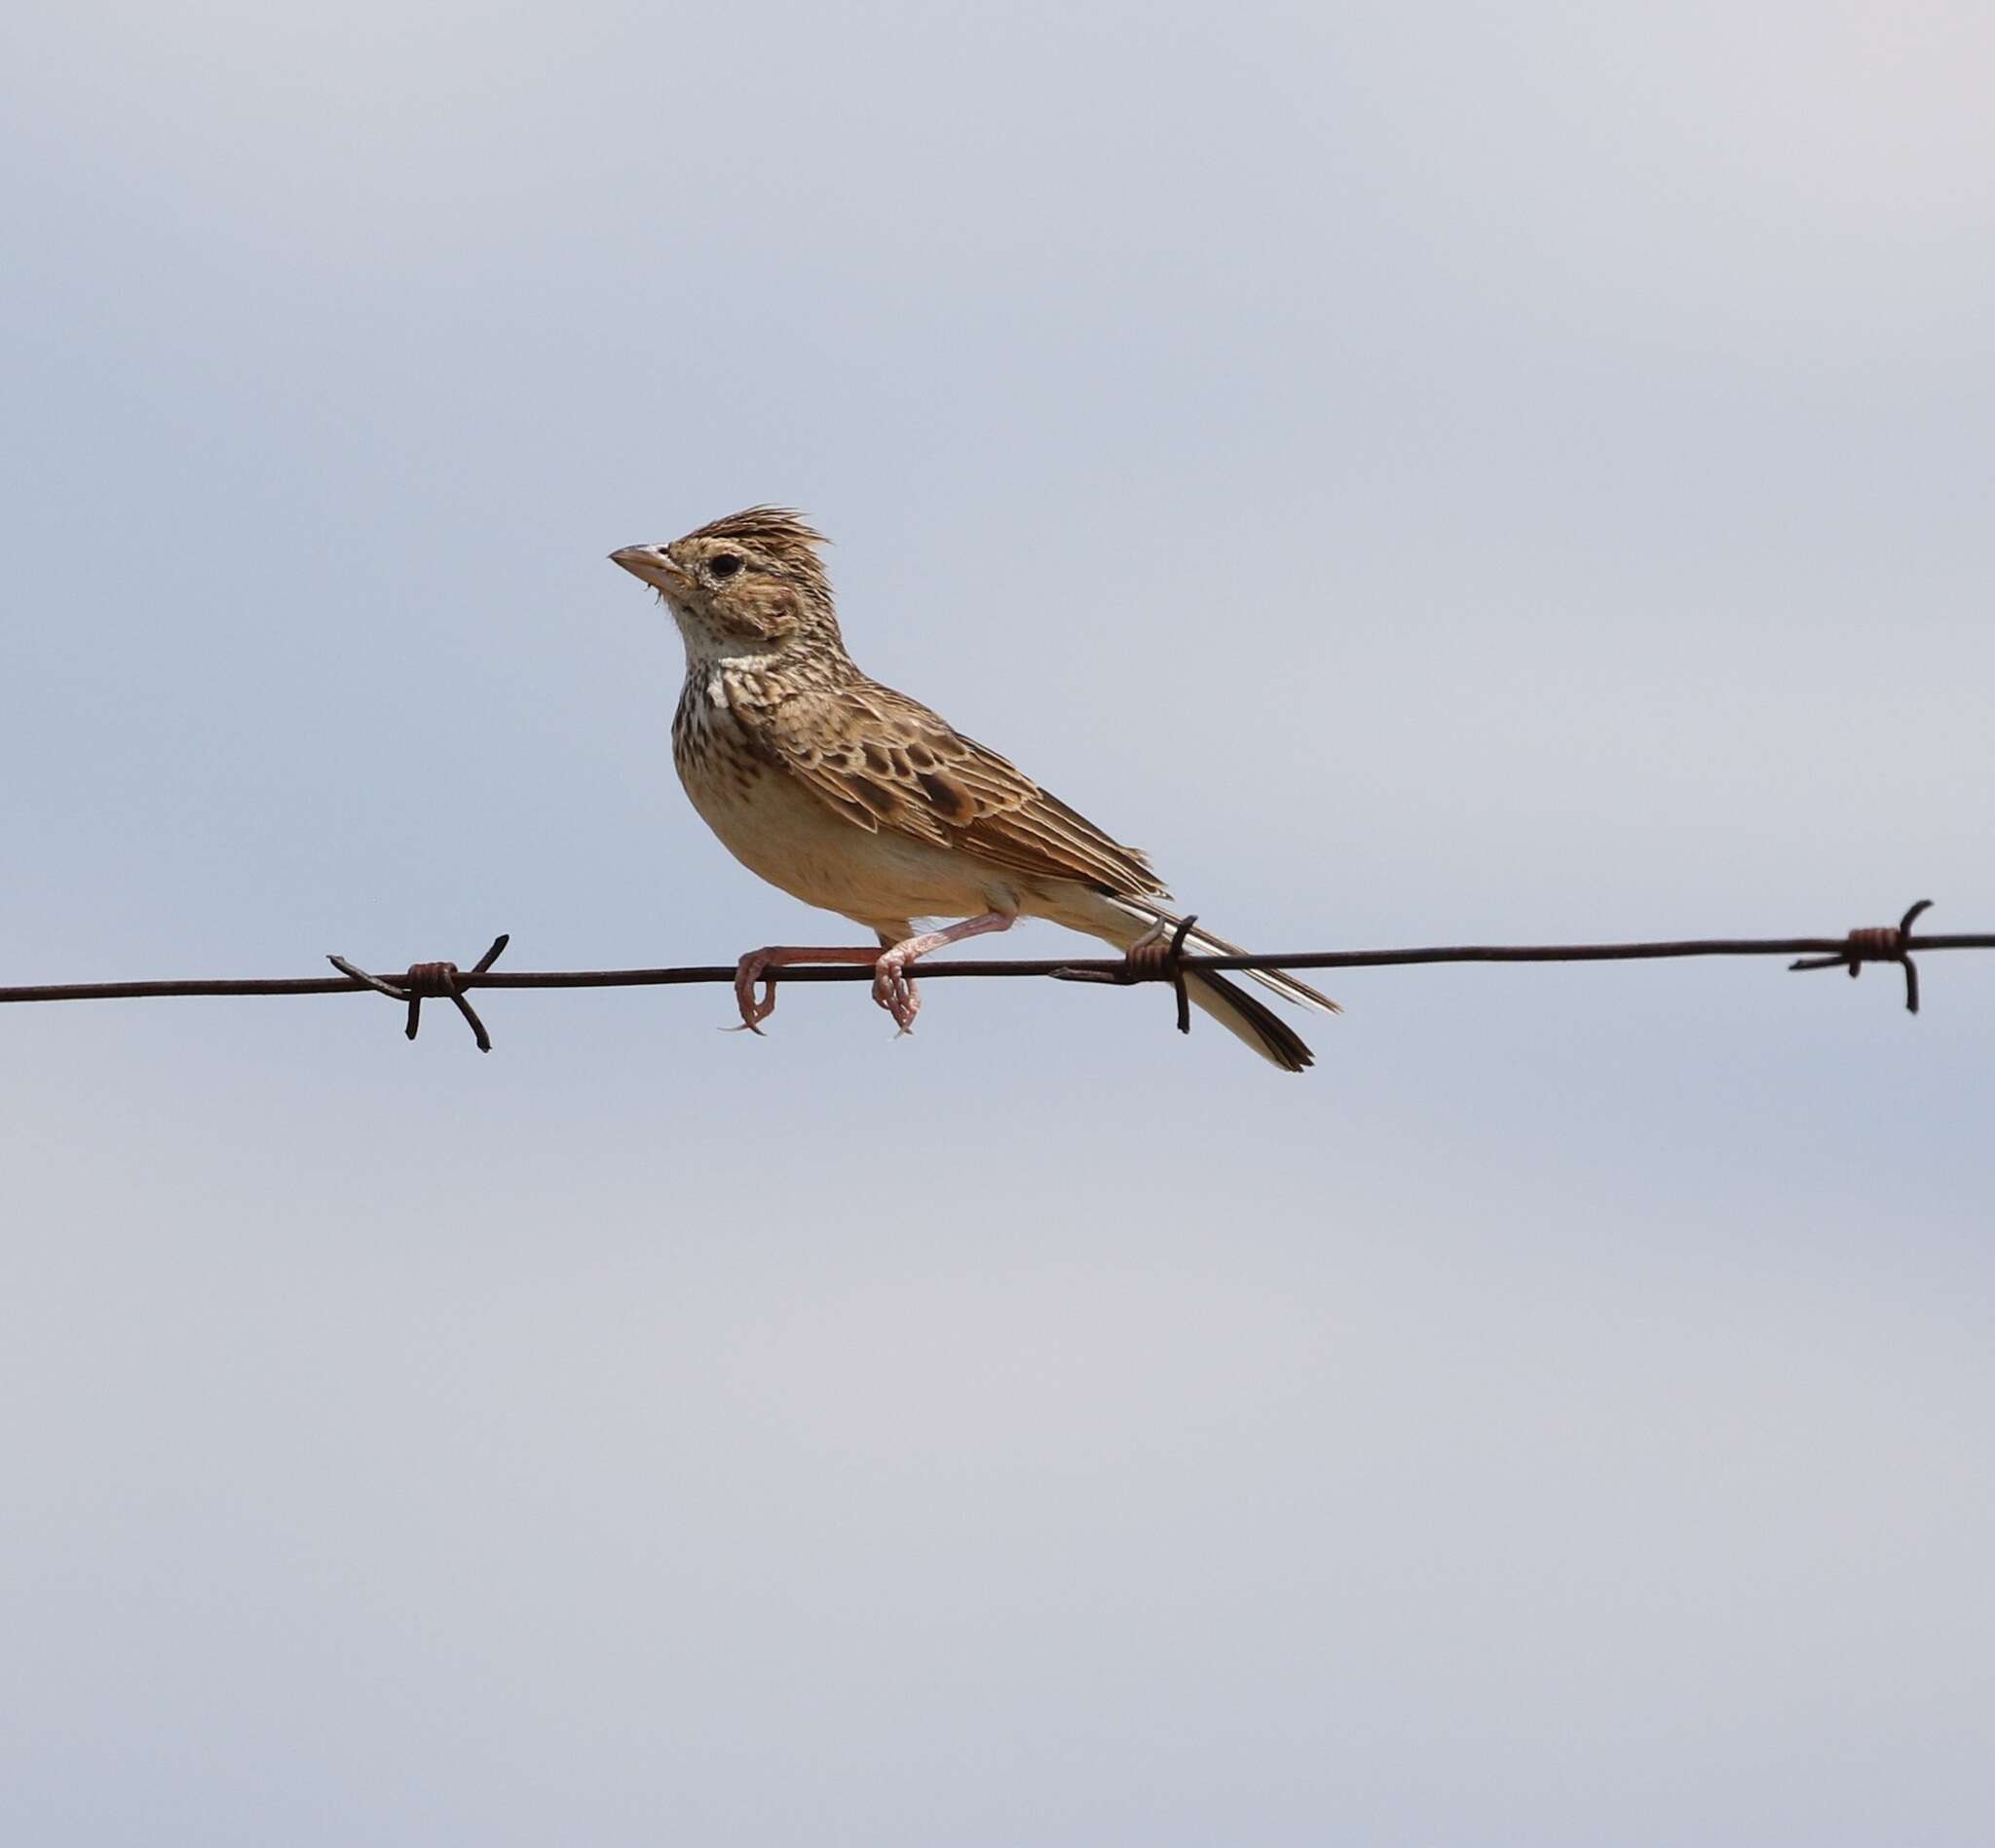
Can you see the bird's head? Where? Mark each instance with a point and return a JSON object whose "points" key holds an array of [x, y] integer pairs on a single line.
{"points": [[749, 584]]}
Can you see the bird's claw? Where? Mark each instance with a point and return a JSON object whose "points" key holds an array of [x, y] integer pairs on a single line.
{"points": [[752, 968], [895, 992]]}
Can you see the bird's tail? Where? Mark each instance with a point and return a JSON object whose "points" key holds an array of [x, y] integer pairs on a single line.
{"points": [[1244, 1016]]}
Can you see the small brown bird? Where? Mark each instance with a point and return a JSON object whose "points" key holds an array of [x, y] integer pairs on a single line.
{"points": [[857, 799]]}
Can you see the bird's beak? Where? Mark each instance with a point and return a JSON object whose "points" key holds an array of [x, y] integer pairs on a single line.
{"points": [[650, 563]]}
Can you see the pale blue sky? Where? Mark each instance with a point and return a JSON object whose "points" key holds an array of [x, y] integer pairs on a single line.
{"points": [[1426, 474]]}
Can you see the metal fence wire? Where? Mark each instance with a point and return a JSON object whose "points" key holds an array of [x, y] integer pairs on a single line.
{"points": [[1160, 961]]}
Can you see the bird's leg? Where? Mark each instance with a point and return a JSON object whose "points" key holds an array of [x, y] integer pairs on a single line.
{"points": [[755, 967], [893, 989]]}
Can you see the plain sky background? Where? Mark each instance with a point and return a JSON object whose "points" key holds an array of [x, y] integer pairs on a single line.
{"points": [[1428, 473]]}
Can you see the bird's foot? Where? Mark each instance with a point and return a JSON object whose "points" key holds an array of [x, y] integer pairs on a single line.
{"points": [[894, 990], [759, 966], [752, 968]]}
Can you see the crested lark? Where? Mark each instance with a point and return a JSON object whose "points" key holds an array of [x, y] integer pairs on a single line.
{"points": [[855, 797]]}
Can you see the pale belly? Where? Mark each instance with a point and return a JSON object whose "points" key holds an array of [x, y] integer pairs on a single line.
{"points": [[780, 831]]}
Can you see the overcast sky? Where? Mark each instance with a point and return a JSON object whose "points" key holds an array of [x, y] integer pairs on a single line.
{"points": [[1427, 474]]}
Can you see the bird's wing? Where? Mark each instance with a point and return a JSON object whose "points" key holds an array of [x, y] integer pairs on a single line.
{"points": [[884, 761]]}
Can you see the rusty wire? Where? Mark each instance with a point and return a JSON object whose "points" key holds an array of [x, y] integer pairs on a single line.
{"points": [[1155, 959]]}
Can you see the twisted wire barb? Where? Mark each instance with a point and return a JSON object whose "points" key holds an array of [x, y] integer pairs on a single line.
{"points": [[1152, 960], [1151, 957], [433, 981], [1889, 943]]}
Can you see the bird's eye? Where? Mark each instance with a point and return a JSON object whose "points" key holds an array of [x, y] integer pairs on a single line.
{"points": [[723, 564]]}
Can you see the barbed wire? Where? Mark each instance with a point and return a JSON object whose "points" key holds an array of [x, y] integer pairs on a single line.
{"points": [[1156, 960]]}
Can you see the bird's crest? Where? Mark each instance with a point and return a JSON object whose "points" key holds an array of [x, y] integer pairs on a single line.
{"points": [[779, 528]]}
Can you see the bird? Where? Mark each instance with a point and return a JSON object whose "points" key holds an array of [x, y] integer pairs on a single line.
{"points": [[860, 801]]}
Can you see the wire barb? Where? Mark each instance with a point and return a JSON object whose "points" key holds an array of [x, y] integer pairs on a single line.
{"points": [[433, 981], [1879, 943], [1151, 957]]}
